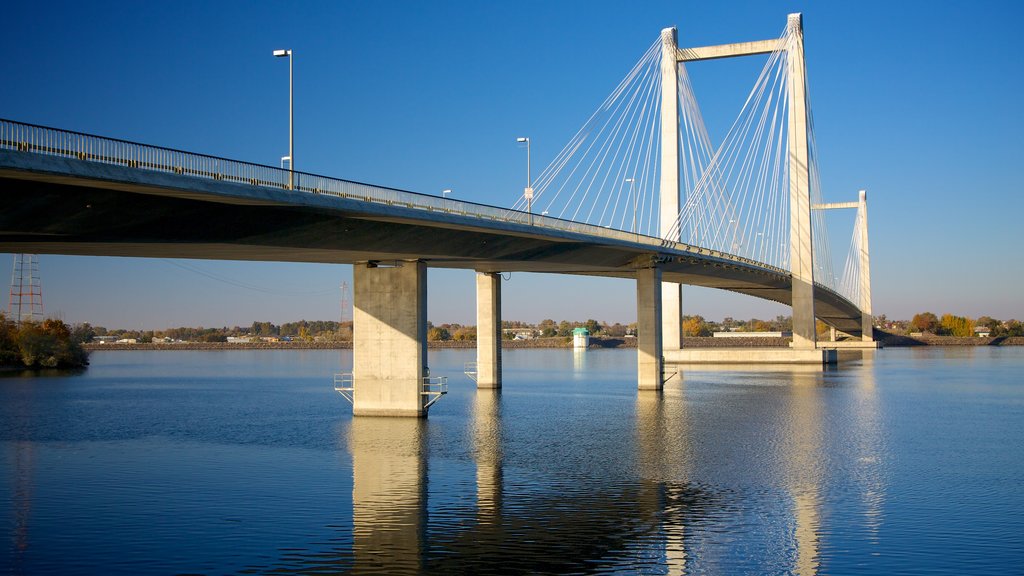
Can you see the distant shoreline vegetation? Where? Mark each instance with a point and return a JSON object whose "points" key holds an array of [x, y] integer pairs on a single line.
{"points": [[924, 328], [37, 345]]}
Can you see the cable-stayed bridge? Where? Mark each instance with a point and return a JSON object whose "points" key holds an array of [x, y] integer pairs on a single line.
{"points": [[639, 192]]}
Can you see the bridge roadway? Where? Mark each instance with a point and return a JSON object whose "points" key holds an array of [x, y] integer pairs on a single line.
{"points": [[64, 205]]}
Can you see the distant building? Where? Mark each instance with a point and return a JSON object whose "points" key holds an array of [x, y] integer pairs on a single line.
{"points": [[127, 341], [580, 337], [104, 339], [238, 340], [982, 331]]}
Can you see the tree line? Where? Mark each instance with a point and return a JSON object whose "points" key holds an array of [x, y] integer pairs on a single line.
{"points": [[692, 325], [329, 330], [952, 325]]}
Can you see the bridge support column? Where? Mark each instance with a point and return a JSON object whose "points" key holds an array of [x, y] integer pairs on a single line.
{"points": [[801, 257], [648, 326], [866, 320], [488, 330], [671, 293], [389, 352]]}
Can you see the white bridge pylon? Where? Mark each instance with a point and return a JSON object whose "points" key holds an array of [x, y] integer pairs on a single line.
{"points": [[645, 163]]}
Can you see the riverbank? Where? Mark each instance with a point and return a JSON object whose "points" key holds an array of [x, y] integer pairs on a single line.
{"points": [[887, 340]]}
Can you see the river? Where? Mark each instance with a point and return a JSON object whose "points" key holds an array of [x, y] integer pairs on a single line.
{"points": [[243, 462]]}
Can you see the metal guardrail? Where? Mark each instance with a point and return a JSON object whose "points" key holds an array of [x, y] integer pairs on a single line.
{"points": [[343, 384], [433, 388], [35, 139]]}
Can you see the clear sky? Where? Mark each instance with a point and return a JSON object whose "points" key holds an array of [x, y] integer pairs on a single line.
{"points": [[917, 102]]}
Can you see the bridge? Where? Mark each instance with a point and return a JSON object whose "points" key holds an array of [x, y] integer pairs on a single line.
{"points": [[750, 222]]}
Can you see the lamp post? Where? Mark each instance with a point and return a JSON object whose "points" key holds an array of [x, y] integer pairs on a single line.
{"points": [[291, 117], [528, 192], [633, 196]]}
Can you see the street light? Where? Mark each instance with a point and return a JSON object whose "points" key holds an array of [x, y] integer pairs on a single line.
{"points": [[528, 192], [446, 192], [291, 117], [630, 180]]}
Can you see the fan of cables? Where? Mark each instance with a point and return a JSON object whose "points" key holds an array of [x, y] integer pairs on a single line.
{"points": [[735, 198]]}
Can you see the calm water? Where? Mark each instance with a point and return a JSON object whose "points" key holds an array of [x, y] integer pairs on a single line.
{"points": [[249, 462]]}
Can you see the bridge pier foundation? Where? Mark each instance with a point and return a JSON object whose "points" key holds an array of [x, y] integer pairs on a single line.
{"points": [[389, 351], [488, 330], [649, 351]]}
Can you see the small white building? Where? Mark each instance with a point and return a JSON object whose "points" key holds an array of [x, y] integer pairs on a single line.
{"points": [[580, 337]]}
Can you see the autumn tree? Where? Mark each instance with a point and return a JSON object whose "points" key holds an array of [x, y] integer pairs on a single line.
{"points": [[695, 326], [925, 322], [39, 345], [957, 326]]}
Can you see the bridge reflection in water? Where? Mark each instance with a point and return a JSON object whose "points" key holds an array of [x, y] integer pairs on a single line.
{"points": [[667, 515]]}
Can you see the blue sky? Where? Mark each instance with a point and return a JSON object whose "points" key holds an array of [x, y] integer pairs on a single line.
{"points": [[917, 102]]}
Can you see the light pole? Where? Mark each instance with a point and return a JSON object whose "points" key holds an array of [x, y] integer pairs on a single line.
{"points": [[291, 117], [528, 192], [633, 196], [446, 192]]}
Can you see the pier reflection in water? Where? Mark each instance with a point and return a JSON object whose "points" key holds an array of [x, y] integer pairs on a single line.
{"points": [[661, 516]]}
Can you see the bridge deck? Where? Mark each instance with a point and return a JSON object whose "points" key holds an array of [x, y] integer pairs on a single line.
{"points": [[64, 205]]}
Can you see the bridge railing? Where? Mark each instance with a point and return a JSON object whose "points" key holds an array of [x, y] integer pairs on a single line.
{"points": [[53, 141]]}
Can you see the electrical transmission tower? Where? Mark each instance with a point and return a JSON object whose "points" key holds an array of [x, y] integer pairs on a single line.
{"points": [[25, 301], [346, 301]]}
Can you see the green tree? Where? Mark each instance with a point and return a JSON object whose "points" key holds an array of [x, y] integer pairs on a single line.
{"points": [[565, 328], [616, 330], [1012, 328], [988, 322], [438, 334]]}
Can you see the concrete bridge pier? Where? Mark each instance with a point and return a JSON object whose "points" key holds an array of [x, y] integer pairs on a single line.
{"points": [[649, 351], [488, 330], [389, 352]]}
